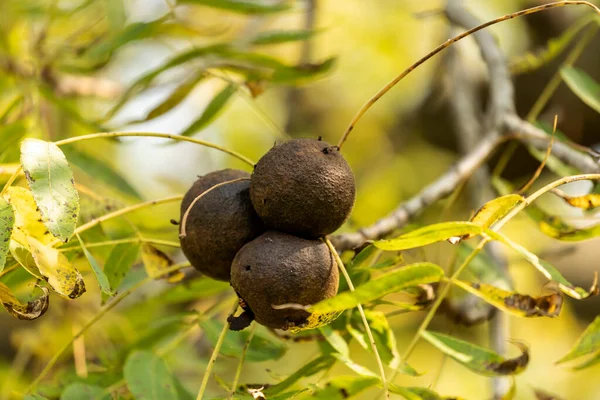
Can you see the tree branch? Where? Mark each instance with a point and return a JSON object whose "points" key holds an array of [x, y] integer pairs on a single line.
{"points": [[501, 123]]}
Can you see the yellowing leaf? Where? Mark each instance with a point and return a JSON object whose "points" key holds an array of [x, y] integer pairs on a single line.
{"points": [[410, 275], [588, 343], [56, 269], [7, 220], [493, 210], [515, 303], [548, 269], [155, 261], [478, 359], [32, 310], [586, 202], [23, 256], [51, 181], [28, 219], [418, 393], [428, 235]]}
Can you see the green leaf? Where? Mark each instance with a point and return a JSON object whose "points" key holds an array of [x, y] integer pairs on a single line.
{"points": [[10, 135], [311, 368], [192, 290], [343, 387], [7, 221], [119, 262], [588, 342], [586, 88], [534, 60], [80, 391], [211, 111], [429, 234], [277, 37], [132, 32], [34, 397], [476, 358], [263, 348], [145, 80], [385, 341], [515, 303], [417, 393], [51, 182], [101, 277], [148, 377], [286, 74], [410, 275], [100, 170], [493, 210], [175, 98], [335, 340], [242, 6], [30, 311], [547, 269]]}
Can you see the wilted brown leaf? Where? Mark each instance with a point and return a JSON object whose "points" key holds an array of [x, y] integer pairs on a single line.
{"points": [[30, 311], [543, 395], [514, 365]]}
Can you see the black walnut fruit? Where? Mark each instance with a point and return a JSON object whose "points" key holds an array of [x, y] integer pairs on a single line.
{"points": [[219, 223], [304, 187], [276, 269]]}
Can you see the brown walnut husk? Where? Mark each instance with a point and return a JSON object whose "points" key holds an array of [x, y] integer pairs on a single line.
{"points": [[276, 269], [219, 223]]}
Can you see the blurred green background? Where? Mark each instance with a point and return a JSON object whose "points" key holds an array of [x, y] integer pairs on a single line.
{"points": [[64, 64]]}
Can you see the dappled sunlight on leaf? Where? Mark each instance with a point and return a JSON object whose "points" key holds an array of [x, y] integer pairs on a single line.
{"points": [[32, 310]]}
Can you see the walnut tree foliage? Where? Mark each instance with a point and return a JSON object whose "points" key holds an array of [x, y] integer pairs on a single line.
{"points": [[60, 235]]}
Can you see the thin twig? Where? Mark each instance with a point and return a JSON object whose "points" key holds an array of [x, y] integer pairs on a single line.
{"points": [[215, 353], [238, 371], [444, 45], [183, 225], [361, 311]]}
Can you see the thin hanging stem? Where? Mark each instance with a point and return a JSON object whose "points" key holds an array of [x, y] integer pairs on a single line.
{"points": [[183, 225], [120, 212], [159, 135], [444, 45], [361, 311], [215, 353], [238, 371], [97, 317]]}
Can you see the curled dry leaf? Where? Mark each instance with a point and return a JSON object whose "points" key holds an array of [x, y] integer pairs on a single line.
{"points": [[30, 311], [155, 261], [521, 305]]}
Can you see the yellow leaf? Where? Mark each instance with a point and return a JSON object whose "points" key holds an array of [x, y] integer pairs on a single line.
{"points": [[32, 310], [586, 202], [57, 270], [155, 261], [493, 210], [28, 219], [23, 256]]}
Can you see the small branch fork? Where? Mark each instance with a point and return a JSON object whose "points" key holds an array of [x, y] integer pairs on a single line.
{"points": [[501, 123]]}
